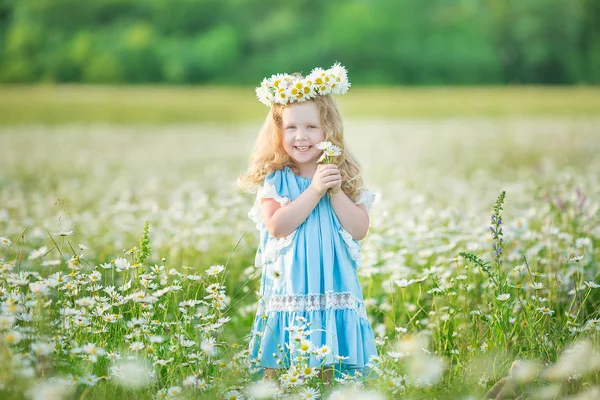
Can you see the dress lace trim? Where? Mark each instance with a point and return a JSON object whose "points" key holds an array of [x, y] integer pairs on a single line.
{"points": [[367, 198], [312, 302], [266, 191], [353, 247]]}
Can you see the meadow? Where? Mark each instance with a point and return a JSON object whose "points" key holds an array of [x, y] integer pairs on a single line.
{"points": [[483, 247]]}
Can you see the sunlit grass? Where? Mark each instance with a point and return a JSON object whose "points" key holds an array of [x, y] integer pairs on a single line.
{"points": [[48, 104]]}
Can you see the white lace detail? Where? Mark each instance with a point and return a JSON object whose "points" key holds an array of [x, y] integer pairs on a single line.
{"points": [[312, 302], [353, 247], [266, 191], [276, 246], [367, 198]]}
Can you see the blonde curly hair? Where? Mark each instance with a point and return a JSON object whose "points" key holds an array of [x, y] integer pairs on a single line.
{"points": [[269, 155]]}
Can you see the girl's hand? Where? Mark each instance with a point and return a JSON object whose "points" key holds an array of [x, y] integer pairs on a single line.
{"points": [[327, 176]]}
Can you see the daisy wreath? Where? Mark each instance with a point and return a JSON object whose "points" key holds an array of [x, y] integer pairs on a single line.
{"points": [[284, 88]]}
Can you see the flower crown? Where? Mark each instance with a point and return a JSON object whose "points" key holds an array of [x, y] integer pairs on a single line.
{"points": [[284, 88]]}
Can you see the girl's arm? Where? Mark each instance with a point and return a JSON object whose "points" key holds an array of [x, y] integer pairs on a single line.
{"points": [[353, 217], [281, 221]]}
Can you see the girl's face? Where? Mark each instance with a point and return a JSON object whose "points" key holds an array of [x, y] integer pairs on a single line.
{"points": [[302, 130]]}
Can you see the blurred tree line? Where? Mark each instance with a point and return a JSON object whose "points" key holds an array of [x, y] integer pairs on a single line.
{"points": [[240, 41]]}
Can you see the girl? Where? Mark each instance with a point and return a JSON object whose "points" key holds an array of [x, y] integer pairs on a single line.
{"points": [[310, 216]]}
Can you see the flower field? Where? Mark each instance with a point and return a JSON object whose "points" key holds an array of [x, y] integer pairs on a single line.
{"points": [[127, 262]]}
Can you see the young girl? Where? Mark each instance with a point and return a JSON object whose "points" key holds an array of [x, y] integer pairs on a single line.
{"points": [[311, 312]]}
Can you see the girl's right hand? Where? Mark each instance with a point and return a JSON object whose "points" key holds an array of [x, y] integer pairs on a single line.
{"points": [[326, 176]]}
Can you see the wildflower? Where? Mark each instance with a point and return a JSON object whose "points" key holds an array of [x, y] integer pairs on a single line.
{"points": [[396, 355], [403, 283], [38, 288], [157, 269], [90, 380], [305, 345], [519, 268], [133, 374], [324, 351], [36, 253], [592, 284], [136, 346], [95, 276], [156, 339], [64, 233], [85, 302], [309, 393], [209, 346], [215, 270], [575, 258], [6, 322], [190, 381], [54, 388], [186, 343], [537, 285], [503, 296], [308, 372], [262, 390], [517, 285], [545, 310], [425, 370], [173, 391], [121, 264], [13, 337], [92, 351], [483, 381]]}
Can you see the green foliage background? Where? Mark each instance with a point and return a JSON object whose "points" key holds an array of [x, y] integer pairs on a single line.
{"points": [[236, 41]]}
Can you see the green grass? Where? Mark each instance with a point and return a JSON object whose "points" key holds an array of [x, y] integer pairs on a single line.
{"points": [[170, 104]]}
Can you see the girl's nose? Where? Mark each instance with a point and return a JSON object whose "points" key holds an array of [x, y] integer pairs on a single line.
{"points": [[300, 135]]}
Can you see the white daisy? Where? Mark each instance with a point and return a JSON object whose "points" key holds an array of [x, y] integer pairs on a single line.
{"points": [[537, 285], [309, 393], [503, 296], [209, 346], [121, 264], [89, 380], [214, 270], [545, 310]]}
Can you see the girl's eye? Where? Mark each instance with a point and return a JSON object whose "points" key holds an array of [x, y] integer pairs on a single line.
{"points": [[291, 127]]}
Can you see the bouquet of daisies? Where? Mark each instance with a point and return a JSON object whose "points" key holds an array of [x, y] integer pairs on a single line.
{"points": [[330, 152]]}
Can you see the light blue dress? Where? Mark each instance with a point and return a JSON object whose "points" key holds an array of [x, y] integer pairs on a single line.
{"points": [[311, 273]]}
